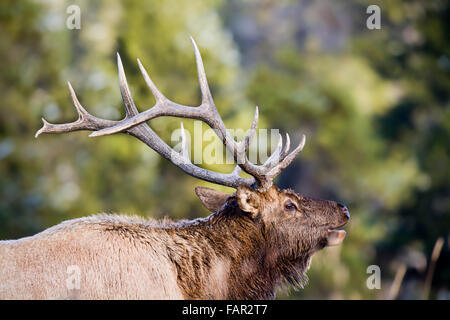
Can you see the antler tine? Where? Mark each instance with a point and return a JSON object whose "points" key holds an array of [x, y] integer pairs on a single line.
{"points": [[288, 159], [286, 148], [184, 147], [128, 102], [85, 120], [239, 149], [44, 129], [156, 93], [80, 110], [204, 87], [252, 130], [275, 156]]}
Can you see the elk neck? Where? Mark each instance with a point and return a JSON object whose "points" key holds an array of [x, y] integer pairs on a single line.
{"points": [[227, 256]]}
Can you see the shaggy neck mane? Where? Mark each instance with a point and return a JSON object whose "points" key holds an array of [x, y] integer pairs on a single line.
{"points": [[228, 254]]}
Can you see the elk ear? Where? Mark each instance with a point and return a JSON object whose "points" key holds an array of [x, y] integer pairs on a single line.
{"points": [[212, 199], [248, 199]]}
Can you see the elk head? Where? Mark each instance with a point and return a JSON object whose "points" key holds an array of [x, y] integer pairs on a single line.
{"points": [[295, 224]]}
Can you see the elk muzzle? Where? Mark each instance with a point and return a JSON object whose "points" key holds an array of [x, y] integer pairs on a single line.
{"points": [[335, 235]]}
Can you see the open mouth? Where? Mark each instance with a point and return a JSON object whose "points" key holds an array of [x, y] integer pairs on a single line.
{"points": [[335, 235]]}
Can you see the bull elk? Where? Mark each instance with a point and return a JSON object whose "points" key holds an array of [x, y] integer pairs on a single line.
{"points": [[254, 240]]}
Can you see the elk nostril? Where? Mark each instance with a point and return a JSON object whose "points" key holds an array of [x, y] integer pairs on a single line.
{"points": [[340, 205], [344, 209]]}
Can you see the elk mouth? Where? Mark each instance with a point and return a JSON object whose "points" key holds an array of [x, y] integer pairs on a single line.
{"points": [[335, 235]]}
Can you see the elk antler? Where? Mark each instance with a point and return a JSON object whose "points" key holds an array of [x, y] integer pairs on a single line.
{"points": [[135, 124]]}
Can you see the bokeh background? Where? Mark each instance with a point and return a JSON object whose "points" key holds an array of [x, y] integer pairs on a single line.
{"points": [[374, 105]]}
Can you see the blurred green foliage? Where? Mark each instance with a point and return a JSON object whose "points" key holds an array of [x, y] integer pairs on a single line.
{"points": [[373, 104]]}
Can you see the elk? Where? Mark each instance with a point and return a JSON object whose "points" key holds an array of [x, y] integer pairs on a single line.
{"points": [[254, 240]]}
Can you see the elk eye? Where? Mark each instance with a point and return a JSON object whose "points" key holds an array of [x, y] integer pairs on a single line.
{"points": [[290, 206]]}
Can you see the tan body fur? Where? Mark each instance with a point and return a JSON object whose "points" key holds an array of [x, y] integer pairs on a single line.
{"points": [[112, 265]]}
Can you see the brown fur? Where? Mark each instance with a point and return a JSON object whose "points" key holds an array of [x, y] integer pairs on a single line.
{"points": [[232, 254]]}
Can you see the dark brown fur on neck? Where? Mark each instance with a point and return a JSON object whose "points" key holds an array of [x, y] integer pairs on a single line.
{"points": [[232, 235]]}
